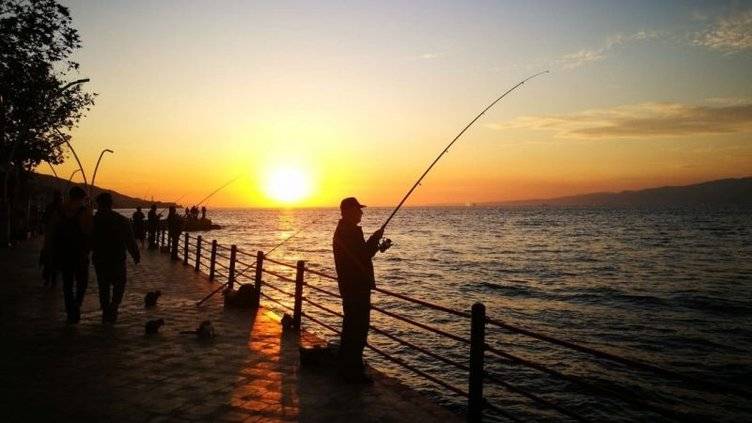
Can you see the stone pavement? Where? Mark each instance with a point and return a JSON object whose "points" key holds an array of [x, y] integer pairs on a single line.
{"points": [[51, 371]]}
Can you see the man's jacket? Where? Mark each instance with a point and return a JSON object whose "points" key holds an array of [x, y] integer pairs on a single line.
{"points": [[111, 236], [352, 258]]}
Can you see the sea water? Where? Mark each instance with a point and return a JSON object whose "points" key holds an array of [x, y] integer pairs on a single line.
{"points": [[670, 287]]}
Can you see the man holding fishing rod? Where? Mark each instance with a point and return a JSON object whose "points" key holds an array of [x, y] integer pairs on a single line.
{"points": [[353, 259]]}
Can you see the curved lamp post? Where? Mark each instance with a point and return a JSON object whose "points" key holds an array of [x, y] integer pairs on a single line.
{"points": [[94, 177]]}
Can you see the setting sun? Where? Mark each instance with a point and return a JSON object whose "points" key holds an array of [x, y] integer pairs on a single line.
{"points": [[287, 184]]}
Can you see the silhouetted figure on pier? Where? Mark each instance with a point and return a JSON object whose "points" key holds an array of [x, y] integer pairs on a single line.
{"points": [[111, 237], [139, 230], [71, 246], [187, 212], [153, 226], [174, 228], [50, 219], [353, 260], [194, 213], [203, 212]]}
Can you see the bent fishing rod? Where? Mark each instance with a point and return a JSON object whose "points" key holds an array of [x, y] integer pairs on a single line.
{"points": [[252, 265], [207, 197], [446, 149], [218, 189]]}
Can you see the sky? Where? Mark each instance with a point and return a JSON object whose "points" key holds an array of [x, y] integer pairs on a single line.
{"points": [[304, 103]]}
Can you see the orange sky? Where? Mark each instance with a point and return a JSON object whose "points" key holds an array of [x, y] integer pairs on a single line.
{"points": [[362, 99]]}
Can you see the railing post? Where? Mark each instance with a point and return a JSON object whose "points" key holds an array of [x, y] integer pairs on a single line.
{"points": [[213, 260], [185, 249], [174, 246], [298, 308], [257, 277], [198, 253], [477, 347], [231, 272]]}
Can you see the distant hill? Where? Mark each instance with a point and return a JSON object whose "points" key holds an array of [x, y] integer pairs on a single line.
{"points": [[45, 184], [723, 192]]}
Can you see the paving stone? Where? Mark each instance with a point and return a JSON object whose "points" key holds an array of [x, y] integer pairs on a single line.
{"points": [[52, 371]]}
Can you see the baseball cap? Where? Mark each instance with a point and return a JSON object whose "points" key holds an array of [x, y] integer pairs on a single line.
{"points": [[350, 202]]}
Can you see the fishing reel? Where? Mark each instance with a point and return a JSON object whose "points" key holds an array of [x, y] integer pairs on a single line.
{"points": [[385, 244]]}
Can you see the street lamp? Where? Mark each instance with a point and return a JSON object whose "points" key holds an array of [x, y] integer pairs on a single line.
{"points": [[106, 150]]}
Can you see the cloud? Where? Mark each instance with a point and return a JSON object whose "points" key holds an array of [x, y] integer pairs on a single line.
{"points": [[645, 120], [730, 34], [587, 56]]}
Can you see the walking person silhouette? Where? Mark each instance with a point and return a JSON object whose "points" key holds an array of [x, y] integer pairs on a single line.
{"points": [[353, 260], [71, 249], [111, 237]]}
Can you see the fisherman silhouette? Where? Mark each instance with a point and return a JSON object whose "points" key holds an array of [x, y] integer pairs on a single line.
{"points": [[353, 260], [153, 226], [111, 237], [71, 250], [138, 225], [203, 212]]}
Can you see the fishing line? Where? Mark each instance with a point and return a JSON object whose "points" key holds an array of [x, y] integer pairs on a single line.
{"points": [[446, 149]]}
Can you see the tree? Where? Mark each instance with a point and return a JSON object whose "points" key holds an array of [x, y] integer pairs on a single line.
{"points": [[39, 104]]}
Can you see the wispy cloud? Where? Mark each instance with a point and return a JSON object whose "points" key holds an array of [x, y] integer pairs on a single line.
{"points": [[429, 55], [587, 56], [645, 120], [730, 34]]}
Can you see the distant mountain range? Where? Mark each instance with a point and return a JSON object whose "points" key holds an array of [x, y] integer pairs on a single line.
{"points": [[46, 184], [723, 192]]}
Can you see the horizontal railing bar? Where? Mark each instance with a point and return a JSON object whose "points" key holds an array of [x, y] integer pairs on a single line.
{"points": [[535, 398], [278, 275], [222, 255], [421, 325], [322, 274], [289, 294], [243, 253], [313, 319], [219, 264], [222, 247], [395, 338], [281, 263], [421, 349], [490, 406], [597, 389], [625, 361], [396, 360], [275, 301], [433, 379], [317, 305], [424, 303], [315, 288], [242, 262]]}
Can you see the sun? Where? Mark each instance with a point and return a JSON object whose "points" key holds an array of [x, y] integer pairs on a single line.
{"points": [[287, 184]]}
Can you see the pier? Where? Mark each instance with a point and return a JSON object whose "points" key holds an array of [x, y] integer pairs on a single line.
{"points": [[93, 372]]}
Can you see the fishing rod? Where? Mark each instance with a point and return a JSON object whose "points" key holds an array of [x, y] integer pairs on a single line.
{"points": [[252, 265], [174, 202], [218, 189], [446, 149]]}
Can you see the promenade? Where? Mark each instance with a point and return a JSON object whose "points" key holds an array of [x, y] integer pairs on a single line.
{"points": [[93, 372]]}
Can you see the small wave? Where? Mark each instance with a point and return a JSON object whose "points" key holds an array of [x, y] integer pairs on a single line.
{"points": [[512, 290]]}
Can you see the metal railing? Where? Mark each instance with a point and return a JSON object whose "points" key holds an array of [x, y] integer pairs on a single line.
{"points": [[226, 259]]}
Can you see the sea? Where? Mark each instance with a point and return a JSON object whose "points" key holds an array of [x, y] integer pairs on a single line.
{"points": [[670, 287]]}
